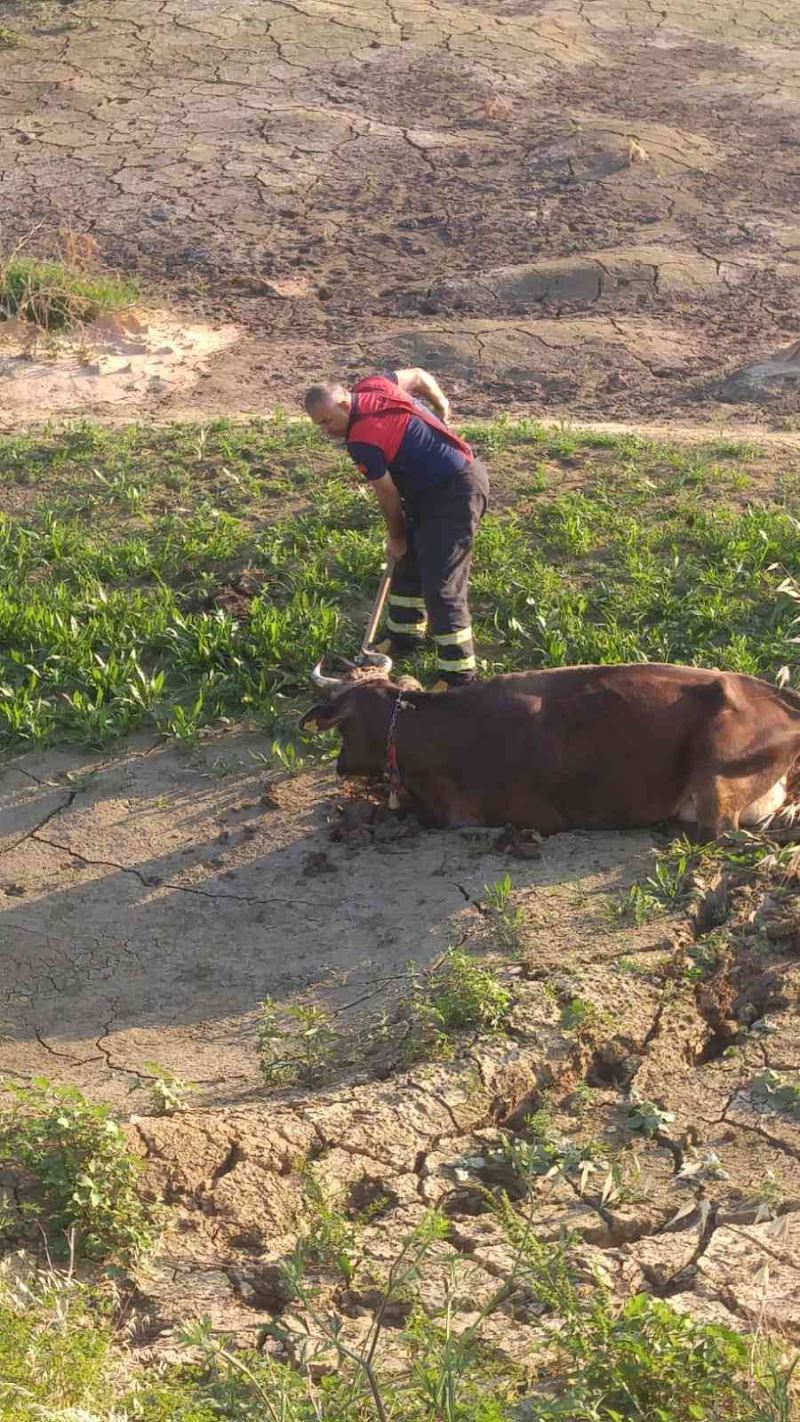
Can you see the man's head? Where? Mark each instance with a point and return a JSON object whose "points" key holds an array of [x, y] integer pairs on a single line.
{"points": [[329, 407]]}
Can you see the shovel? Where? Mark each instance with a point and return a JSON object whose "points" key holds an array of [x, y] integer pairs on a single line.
{"points": [[368, 656]]}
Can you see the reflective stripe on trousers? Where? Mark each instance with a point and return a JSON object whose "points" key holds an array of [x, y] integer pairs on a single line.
{"points": [[455, 651], [406, 616], [433, 574]]}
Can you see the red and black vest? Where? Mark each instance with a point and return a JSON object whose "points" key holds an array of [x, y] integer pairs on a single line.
{"points": [[390, 432]]}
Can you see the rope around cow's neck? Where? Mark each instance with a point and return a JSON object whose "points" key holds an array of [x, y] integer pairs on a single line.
{"points": [[392, 772]]}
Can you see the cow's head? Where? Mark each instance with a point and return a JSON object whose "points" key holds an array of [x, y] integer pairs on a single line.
{"points": [[359, 706]]}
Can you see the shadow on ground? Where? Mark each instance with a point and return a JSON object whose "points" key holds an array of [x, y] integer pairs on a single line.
{"points": [[147, 905]]}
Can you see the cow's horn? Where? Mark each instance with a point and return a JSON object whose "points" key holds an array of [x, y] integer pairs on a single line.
{"points": [[325, 683]]}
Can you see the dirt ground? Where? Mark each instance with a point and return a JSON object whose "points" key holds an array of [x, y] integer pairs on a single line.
{"points": [[578, 208], [149, 904], [148, 901]]}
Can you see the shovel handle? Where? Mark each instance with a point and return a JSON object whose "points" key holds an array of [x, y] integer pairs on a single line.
{"points": [[377, 606]]}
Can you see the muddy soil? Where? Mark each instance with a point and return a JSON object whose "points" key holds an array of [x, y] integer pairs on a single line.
{"points": [[583, 209]]}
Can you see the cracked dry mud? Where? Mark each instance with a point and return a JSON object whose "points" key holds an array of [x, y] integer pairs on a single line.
{"points": [[580, 206], [149, 901], [148, 907]]}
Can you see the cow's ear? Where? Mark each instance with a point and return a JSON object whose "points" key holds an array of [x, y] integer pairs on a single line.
{"points": [[322, 717]]}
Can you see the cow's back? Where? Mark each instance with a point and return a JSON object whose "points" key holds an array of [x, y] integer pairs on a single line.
{"points": [[593, 746], [564, 682]]}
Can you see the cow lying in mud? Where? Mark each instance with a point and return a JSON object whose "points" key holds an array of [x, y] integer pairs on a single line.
{"points": [[589, 747]]}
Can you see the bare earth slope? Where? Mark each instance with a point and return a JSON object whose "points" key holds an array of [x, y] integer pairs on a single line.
{"points": [[582, 206]]}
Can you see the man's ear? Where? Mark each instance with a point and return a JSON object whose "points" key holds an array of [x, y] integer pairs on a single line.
{"points": [[322, 717]]}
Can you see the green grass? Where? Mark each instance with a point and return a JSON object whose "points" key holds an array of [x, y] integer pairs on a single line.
{"points": [[9, 39], [671, 886], [53, 296], [55, 1348], [666, 890], [296, 1043], [115, 545], [457, 994], [509, 921]]}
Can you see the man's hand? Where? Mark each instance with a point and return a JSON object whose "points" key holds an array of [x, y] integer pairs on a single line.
{"points": [[396, 546]]}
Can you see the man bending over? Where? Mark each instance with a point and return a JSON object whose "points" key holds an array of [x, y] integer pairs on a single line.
{"points": [[433, 493]]}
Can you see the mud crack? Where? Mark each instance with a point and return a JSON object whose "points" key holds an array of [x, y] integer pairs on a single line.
{"points": [[151, 881], [51, 815]]}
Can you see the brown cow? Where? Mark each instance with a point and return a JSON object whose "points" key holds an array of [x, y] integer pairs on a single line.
{"points": [[576, 747]]}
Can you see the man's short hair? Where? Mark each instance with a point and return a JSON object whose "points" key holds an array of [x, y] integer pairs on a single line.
{"points": [[318, 395]]}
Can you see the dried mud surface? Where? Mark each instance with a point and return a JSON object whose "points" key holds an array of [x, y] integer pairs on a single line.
{"points": [[149, 902], [573, 206]]}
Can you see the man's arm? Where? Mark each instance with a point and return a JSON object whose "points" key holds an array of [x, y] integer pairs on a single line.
{"points": [[371, 461], [419, 382], [392, 510]]}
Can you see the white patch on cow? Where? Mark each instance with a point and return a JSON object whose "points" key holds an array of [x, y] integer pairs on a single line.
{"points": [[763, 808], [766, 806]]}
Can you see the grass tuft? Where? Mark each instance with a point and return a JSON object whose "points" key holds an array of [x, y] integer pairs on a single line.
{"points": [[54, 297], [75, 1177], [457, 994]]}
